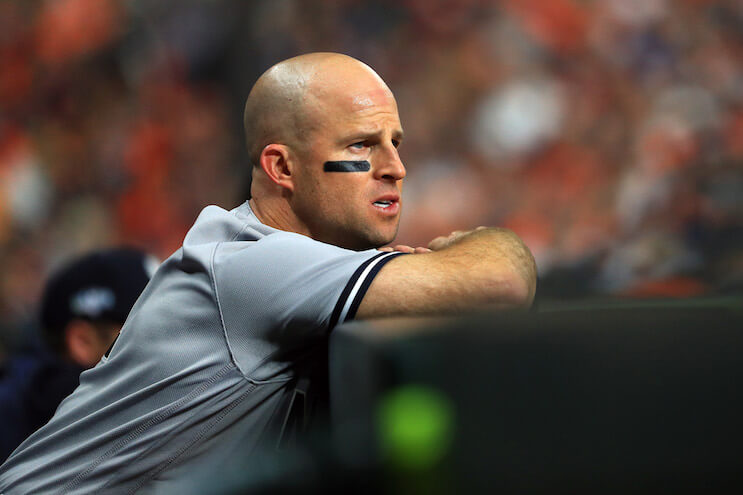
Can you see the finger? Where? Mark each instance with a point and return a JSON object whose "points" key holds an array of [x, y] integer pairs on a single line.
{"points": [[438, 243], [386, 249], [421, 250], [404, 249], [481, 227]]}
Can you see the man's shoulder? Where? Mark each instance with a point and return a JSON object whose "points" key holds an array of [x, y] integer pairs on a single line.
{"points": [[237, 239], [215, 224]]}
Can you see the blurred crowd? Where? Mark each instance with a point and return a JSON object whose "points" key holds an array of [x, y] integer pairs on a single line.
{"points": [[607, 133]]}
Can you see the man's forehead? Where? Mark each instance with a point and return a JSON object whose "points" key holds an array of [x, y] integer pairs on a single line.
{"points": [[351, 101], [370, 98]]}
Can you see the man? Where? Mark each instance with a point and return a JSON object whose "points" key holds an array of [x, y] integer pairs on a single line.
{"points": [[83, 307], [212, 349]]}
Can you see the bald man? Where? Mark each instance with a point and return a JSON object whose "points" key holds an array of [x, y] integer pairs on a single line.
{"points": [[234, 322]]}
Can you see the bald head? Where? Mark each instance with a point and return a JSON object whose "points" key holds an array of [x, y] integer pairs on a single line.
{"points": [[307, 114], [285, 102]]}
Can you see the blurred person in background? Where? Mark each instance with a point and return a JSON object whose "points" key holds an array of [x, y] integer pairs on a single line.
{"points": [[83, 307]]}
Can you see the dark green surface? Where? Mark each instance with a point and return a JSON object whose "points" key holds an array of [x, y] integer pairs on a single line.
{"points": [[631, 395]]}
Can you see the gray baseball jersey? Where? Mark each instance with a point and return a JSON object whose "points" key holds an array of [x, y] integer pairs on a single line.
{"points": [[201, 364]]}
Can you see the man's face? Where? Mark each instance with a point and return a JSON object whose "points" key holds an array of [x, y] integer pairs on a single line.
{"points": [[361, 209]]}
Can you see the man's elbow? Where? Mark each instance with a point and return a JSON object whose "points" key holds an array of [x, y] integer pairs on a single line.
{"points": [[523, 287], [513, 281], [511, 289]]}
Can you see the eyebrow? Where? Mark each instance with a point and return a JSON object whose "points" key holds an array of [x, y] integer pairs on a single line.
{"points": [[397, 135]]}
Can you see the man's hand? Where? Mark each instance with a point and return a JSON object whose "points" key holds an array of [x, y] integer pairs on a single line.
{"points": [[437, 244], [404, 249], [445, 241]]}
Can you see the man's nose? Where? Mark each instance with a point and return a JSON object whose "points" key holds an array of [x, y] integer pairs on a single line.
{"points": [[389, 165]]}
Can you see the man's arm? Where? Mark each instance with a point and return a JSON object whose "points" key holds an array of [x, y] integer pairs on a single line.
{"points": [[479, 269]]}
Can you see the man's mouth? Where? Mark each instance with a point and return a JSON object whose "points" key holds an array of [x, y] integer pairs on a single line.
{"points": [[383, 203]]}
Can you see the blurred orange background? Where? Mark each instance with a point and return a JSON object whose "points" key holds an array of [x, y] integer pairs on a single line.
{"points": [[607, 133]]}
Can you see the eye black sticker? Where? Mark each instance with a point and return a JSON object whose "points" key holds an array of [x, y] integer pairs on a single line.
{"points": [[347, 166]]}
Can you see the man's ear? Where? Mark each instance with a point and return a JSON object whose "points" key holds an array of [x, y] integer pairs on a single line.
{"points": [[275, 162], [83, 343]]}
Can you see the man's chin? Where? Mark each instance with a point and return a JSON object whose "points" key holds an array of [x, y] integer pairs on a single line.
{"points": [[382, 241], [369, 243]]}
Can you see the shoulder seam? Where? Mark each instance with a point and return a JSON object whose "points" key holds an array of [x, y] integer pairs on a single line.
{"points": [[213, 277]]}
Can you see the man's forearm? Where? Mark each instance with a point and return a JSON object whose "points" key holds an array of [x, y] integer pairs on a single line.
{"points": [[494, 246], [484, 268]]}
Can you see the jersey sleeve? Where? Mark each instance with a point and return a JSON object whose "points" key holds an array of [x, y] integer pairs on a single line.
{"points": [[287, 285]]}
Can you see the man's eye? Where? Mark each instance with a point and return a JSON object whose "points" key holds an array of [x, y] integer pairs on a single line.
{"points": [[359, 146], [395, 143]]}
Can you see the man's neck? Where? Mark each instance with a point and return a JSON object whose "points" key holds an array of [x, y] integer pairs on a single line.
{"points": [[275, 213]]}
